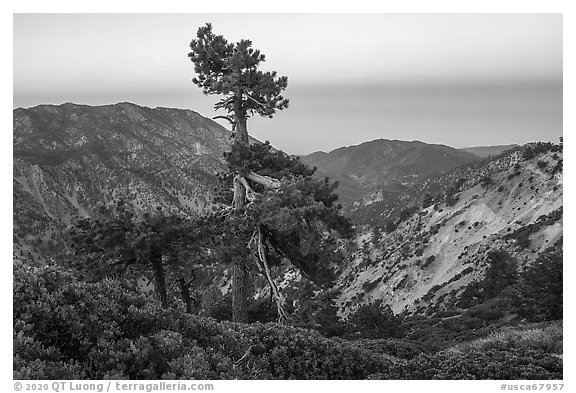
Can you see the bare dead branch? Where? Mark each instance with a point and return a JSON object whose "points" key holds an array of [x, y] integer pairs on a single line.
{"points": [[246, 354], [266, 181], [228, 118], [282, 315], [253, 99]]}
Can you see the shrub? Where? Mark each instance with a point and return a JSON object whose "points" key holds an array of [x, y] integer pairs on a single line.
{"points": [[368, 286], [427, 201], [396, 347], [390, 226], [546, 338], [558, 167], [491, 364], [486, 181], [528, 153], [69, 329], [429, 261], [539, 295], [451, 199], [374, 320]]}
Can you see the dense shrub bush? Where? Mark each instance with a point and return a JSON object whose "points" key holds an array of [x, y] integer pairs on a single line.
{"points": [[429, 261], [546, 337], [528, 153], [396, 347], [69, 329], [374, 320], [491, 364], [539, 295], [390, 226], [486, 181], [501, 273]]}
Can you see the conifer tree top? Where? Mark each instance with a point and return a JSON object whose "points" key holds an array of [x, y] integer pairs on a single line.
{"points": [[231, 69]]}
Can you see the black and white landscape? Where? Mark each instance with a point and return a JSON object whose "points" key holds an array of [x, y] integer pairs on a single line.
{"points": [[157, 242]]}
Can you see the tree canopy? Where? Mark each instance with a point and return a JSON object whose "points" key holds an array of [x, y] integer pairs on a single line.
{"points": [[232, 70]]}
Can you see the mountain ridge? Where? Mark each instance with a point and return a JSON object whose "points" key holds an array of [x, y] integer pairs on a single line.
{"points": [[385, 164], [69, 159]]}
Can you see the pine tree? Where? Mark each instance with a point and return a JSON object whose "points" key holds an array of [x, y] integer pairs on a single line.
{"points": [[277, 211], [540, 288], [116, 241], [231, 70]]}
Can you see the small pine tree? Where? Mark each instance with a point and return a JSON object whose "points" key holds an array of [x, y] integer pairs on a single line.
{"points": [[374, 320], [540, 287], [117, 241]]}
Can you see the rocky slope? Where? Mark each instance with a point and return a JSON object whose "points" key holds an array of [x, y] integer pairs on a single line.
{"points": [[69, 159], [387, 166], [422, 249]]}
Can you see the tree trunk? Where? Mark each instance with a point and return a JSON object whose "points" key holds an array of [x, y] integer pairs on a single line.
{"points": [[241, 130], [239, 295], [185, 294], [239, 272], [159, 278]]}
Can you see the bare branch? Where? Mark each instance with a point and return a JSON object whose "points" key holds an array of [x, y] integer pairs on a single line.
{"points": [[253, 99], [225, 211], [229, 118], [266, 181], [246, 354], [282, 316]]}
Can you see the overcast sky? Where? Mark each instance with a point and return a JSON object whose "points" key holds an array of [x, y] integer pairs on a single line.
{"points": [[456, 79]]}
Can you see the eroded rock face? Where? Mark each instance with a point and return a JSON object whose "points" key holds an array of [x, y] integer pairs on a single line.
{"points": [[505, 203]]}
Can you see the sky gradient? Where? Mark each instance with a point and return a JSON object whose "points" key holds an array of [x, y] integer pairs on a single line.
{"points": [[456, 79]]}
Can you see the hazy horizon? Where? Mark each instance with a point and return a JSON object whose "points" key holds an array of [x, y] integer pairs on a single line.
{"points": [[460, 80]]}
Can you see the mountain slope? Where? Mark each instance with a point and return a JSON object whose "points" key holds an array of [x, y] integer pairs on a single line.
{"points": [[69, 159], [418, 256], [387, 165]]}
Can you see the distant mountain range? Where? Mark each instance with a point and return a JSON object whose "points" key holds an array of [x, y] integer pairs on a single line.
{"points": [[487, 151], [385, 165]]}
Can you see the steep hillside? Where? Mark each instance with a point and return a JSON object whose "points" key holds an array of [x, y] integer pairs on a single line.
{"points": [[422, 249], [385, 165], [69, 159]]}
